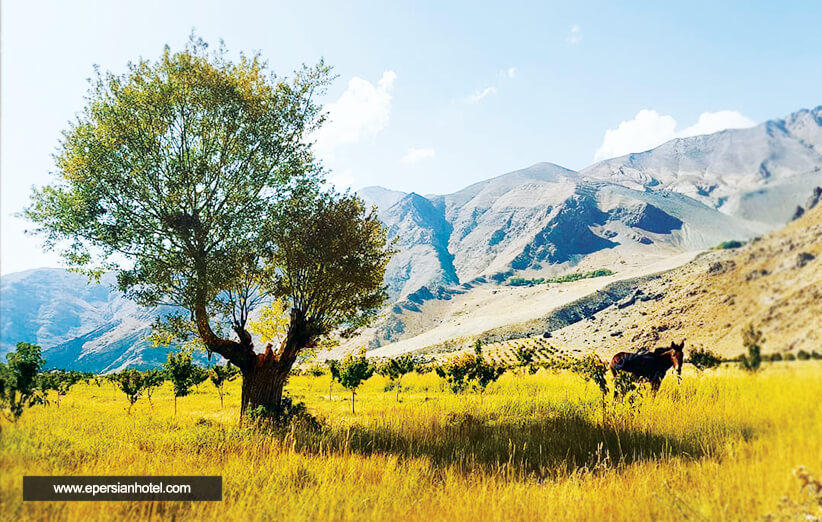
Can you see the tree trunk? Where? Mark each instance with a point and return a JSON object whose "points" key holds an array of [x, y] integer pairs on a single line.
{"points": [[263, 386], [352, 400]]}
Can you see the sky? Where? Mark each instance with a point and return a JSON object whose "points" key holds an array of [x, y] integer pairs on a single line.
{"points": [[430, 96]]}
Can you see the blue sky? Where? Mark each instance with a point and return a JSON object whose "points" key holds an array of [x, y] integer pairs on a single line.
{"points": [[430, 97]]}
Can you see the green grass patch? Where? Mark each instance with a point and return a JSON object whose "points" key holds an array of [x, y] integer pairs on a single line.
{"points": [[567, 278]]}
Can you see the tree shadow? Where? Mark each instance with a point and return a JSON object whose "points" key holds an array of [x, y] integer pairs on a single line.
{"points": [[542, 448]]}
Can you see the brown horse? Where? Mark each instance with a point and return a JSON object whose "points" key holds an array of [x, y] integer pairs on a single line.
{"points": [[651, 365]]}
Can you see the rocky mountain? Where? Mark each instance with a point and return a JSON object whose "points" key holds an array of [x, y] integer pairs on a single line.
{"points": [[689, 193], [756, 173], [82, 326]]}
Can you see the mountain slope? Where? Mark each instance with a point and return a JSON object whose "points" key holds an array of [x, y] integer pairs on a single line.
{"points": [[721, 169], [774, 282], [82, 326]]}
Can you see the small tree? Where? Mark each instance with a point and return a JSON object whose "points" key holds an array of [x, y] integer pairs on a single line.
{"points": [[593, 369], [152, 379], [198, 376], [704, 359], [220, 375], [753, 340], [131, 383], [469, 370], [334, 371], [353, 370], [525, 359], [178, 369], [394, 369], [63, 381], [18, 380]]}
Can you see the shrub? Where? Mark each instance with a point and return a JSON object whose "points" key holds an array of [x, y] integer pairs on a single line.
{"points": [[198, 376], [18, 380], [131, 383], [802, 355], [394, 369], [591, 368], [179, 369], [470, 370], [525, 359], [726, 245], [220, 375], [567, 278], [704, 359], [315, 370], [753, 340], [60, 381], [353, 371]]}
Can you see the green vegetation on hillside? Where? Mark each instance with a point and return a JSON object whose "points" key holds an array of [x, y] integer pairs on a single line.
{"points": [[567, 278]]}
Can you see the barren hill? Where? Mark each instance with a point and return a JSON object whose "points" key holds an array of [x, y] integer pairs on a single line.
{"points": [[774, 282]]}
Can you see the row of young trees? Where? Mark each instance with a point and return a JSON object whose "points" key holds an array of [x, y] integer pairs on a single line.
{"points": [[23, 383]]}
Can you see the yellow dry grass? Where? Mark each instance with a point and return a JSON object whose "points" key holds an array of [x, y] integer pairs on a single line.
{"points": [[720, 446]]}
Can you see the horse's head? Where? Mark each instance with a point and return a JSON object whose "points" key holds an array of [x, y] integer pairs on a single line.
{"points": [[677, 356]]}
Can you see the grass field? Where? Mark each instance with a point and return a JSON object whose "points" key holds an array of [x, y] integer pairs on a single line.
{"points": [[720, 446]]}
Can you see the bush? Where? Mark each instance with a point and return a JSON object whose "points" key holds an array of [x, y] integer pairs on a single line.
{"points": [[131, 383], [469, 369], [525, 359], [567, 278], [220, 375], [802, 355], [18, 380], [353, 371], [726, 245], [753, 340], [704, 359], [394, 369], [179, 369]]}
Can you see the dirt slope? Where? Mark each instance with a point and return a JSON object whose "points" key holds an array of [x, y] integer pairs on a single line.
{"points": [[775, 282]]}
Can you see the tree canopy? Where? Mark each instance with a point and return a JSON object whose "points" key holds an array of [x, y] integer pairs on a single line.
{"points": [[193, 178]]}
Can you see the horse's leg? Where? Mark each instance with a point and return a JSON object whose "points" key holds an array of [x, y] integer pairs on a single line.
{"points": [[655, 383]]}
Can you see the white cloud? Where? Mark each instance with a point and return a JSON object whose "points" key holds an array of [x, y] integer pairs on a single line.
{"points": [[710, 122], [415, 155], [361, 111], [511, 72], [479, 95], [649, 129], [574, 35]]}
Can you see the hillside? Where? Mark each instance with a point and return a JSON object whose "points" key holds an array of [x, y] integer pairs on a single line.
{"points": [[774, 282], [82, 326]]}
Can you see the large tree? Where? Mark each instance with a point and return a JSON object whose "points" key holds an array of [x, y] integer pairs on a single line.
{"points": [[193, 178]]}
